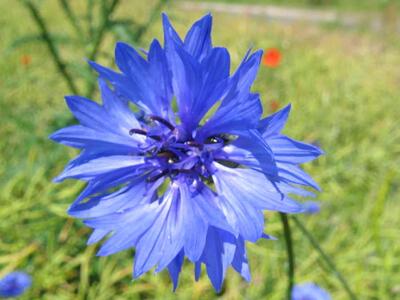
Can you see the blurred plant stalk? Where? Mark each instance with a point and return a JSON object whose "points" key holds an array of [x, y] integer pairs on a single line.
{"points": [[85, 31]]}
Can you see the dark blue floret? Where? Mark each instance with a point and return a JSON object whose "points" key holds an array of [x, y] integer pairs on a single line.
{"points": [[190, 172], [309, 291], [14, 284]]}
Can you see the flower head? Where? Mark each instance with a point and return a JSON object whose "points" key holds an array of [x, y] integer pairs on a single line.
{"points": [[272, 58], [191, 171], [14, 284], [309, 291], [312, 207], [25, 59], [274, 105]]}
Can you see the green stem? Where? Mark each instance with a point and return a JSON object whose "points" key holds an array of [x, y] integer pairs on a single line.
{"points": [[71, 17], [107, 11], [325, 258], [144, 27], [50, 45], [290, 253]]}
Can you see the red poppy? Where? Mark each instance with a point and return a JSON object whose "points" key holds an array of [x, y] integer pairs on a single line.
{"points": [[274, 105], [25, 59], [272, 58]]}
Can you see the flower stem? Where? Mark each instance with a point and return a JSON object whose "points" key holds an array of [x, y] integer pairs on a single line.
{"points": [[326, 258], [107, 11], [290, 253], [61, 66]]}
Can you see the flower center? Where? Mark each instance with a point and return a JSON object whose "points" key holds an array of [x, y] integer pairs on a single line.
{"points": [[172, 156]]}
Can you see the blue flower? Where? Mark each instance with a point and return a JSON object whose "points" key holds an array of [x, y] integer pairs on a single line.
{"points": [[311, 207], [309, 291], [14, 284], [189, 173]]}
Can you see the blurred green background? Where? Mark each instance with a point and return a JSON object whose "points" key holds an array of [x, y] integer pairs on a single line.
{"points": [[343, 84]]}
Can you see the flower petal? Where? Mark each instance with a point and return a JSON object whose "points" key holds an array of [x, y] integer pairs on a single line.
{"points": [[102, 166], [96, 236], [218, 255], [198, 39], [125, 198], [288, 150], [240, 262], [273, 124], [175, 268], [129, 229], [78, 136], [195, 238], [292, 173], [164, 239], [251, 150], [245, 186], [238, 114]]}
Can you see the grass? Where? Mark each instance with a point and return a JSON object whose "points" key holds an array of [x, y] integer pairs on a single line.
{"points": [[321, 4], [344, 89]]}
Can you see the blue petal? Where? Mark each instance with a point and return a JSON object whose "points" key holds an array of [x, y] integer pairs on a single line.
{"points": [[239, 109], [162, 80], [186, 83], [274, 123], [195, 238], [143, 81], [129, 61], [215, 73], [78, 136], [121, 220], [119, 81], [197, 86], [243, 186], [312, 207], [129, 229], [246, 73], [124, 198], [90, 114], [197, 270], [218, 255], [198, 39], [101, 166], [96, 236], [175, 268], [242, 216], [292, 173], [240, 113], [170, 35], [101, 184], [118, 108], [164, 239], [206, 203], [14, 284], [240, 262], [309, 291], [288, 189], [288, 150], [140, 81], [251, 150]]}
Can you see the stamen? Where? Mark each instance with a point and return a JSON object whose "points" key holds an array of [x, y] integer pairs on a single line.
{"points": [[158, 176], [162, 121], [228, 163], [193, 144], [214, 140], [145, 133], [172, 158], [186, 171], [137, 131]]}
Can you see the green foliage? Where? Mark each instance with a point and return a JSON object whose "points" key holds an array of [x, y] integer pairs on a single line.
{"points": [[321, 4], [344, 89], [89, 32]]}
